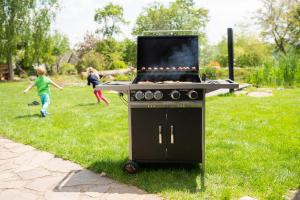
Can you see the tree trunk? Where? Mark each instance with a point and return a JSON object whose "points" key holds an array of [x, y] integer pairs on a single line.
{"points": [[10, 65]]}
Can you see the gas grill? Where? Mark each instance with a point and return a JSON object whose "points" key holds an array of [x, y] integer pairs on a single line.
{"points": [[166, 102]]}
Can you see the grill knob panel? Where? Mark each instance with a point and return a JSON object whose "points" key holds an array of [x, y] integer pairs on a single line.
{"points": [[139, 95], [175, 94], [149, 95], [193, 94], [158, 95]]}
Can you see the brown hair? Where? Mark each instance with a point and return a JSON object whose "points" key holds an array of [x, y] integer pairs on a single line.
{"points": [[41, 71]]}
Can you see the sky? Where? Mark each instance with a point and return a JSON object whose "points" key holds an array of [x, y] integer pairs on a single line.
{"points": [[75, 17]]}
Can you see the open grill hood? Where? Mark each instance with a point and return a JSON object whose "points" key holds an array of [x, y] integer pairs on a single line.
{"points": [[167, 58]]}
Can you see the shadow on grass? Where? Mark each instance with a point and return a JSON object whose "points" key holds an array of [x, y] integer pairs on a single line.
{"points": [[156, 178], [28, 116], [86, 104]]}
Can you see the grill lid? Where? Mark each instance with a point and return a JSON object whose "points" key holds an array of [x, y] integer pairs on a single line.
{"points": [[167, 58]]}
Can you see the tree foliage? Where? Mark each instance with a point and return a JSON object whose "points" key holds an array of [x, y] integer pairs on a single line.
{"points": [[179, 15], [88, 44], [60, 43], [249, 51], [129, 52], [280, 21], [110, 17], [25, 25]]}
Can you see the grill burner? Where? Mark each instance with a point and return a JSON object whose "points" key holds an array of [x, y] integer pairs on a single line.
{"points": [[166, 102]]}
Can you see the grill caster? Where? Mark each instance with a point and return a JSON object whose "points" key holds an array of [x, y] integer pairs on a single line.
{"points": [[131, 167]]}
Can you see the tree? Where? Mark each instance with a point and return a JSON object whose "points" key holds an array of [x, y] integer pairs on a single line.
{"points": [[89, 43], [129, 52], [109, 18], [11, 17], [111, 50], [180, 15], [20, 18], [249, 50], [61, 44], [280, 21]]}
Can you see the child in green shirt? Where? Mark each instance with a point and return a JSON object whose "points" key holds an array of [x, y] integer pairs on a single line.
{"points": [[42, 83]]}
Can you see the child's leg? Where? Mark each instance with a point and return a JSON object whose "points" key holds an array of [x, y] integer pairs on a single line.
{"points": [[45, 98], [97, 95], [103, 97]]}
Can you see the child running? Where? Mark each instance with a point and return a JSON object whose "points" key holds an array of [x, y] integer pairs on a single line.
{"points": [[42, 84], [94, 79]]}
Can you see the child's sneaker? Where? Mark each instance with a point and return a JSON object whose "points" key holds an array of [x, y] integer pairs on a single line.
{"points": [[43, 114]]}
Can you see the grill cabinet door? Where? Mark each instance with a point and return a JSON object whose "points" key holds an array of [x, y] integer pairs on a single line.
{"points": [[184, 134], [148, 134]]}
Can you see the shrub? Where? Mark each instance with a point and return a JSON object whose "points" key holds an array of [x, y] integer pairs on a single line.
{"points": [[282, 72], [210, 72], [91, 59], [68, 68], [213, 64], [123, 77], [117, 64]]}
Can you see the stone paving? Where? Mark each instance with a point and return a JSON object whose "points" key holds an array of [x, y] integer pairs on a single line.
{"points": [[29, 174]]}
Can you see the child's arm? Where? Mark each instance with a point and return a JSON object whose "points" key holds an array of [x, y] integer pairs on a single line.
{"points": [[29, 87], [88, 81], [57, 86]]}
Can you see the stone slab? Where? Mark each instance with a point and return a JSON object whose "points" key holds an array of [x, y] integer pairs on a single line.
{"points": [[17, 195], [43, 184], [29, 174], [34, 173]]}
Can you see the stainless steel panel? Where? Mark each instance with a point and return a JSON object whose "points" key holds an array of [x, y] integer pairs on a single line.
{"points": [[126, 87], [183, 85], [166, 104]]}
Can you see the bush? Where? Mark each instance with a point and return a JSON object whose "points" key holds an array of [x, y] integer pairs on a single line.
{"points": [[91, 59], [282, 72], [68, 68], [240, 74], [213, 64], [210, 72], [123, 77], [118, 64]]}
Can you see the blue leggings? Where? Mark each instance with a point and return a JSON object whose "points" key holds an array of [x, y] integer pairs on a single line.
{"points": [[45, 99]]}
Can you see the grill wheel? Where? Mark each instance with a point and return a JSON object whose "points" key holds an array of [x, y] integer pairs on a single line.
{"points": [[131, 167]]}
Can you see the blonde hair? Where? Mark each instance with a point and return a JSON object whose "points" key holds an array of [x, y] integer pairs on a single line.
{"points": [[91, 70], [41, 71]]}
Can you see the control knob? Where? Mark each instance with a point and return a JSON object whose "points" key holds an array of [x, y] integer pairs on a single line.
{"points": [[148, 95], [139, 95], [193, 94], [158, 95], [175, 94]]}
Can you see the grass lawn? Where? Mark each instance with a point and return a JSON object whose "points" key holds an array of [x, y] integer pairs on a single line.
{"points": [[252, 144]]}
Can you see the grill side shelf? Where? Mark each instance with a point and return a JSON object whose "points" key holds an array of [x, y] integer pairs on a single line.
{"points": [[119, 88], [183, 85]]}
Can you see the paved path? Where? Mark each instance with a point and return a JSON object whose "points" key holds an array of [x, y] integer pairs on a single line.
{"points": [[226, 91], [29, 174]]}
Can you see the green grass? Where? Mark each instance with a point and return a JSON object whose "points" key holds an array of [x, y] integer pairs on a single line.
{"points": [[252, 144]]}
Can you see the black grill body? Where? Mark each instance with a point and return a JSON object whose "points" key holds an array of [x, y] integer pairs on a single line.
{"points": [[170, 129]]}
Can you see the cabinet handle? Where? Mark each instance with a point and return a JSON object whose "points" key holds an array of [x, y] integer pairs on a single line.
{"points": [[172, 134], [159, 134]]}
